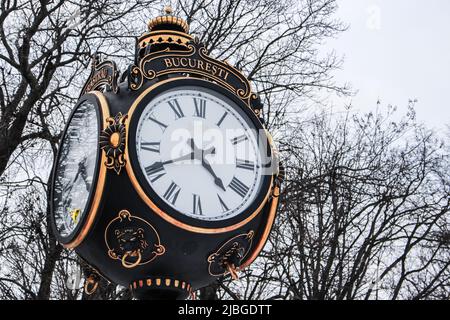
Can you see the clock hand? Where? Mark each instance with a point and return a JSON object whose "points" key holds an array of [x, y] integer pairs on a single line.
{"points": [[196, 150], [205, 162], [209, 151], [217, 180], [83, 172], [189, 156]]}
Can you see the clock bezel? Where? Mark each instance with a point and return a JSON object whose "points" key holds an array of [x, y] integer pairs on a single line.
{"points": [[88, 216], [152, 199]]}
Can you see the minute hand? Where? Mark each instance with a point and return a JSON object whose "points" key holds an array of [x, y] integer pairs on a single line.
{"points": [[159, 164], [189, 156]]}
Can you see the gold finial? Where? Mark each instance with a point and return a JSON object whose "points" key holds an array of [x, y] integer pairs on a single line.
{"points": [[168, 19], [168, 10]]}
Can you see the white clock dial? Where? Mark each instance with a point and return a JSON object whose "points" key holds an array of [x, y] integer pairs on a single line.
{"points": [[199, 153]]}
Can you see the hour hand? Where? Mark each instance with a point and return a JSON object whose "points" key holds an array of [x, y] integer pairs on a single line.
{"points": [[209, 151], [205, 162], [217, 180]]}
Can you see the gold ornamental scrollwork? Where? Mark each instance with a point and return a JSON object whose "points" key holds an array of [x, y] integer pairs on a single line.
{"points": [[195, 61], [112, 142], [228, 257], [132, 240], [103, 76]]}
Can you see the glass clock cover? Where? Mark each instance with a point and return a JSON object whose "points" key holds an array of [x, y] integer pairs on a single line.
{"points": [[75, 169]]}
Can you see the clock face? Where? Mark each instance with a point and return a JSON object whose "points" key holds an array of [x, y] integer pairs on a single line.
{"points": [[75, 167], [199, 153]]}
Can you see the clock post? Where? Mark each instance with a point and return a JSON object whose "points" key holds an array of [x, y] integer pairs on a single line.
{"points": [[166, 178]]}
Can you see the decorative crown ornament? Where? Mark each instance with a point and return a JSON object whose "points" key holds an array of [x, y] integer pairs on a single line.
{"points": [[168, 21], [166, 29]]}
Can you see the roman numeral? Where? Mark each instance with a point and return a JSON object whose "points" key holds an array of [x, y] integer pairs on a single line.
{"points": [[172, 193], [176, 108], [196, 205], [239, 187], [162, 125], [155, 171], [150, 146], [221, 119], [238, 139], [245, 164], [222, 204], [200, 107]]}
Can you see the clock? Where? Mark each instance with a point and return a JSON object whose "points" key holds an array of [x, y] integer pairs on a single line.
{"points": [[76, 170], [166, 177], [198, 156]]}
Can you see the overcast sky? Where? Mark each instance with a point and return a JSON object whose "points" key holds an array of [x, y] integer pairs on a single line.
{"points": [[396, 50]]}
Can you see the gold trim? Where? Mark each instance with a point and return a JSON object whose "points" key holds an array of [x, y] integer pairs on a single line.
{"points": [[161, 282], [168, 20], [164, 36], [153, 206], [103, 72], [114, 148], [233, 271], [250, 235], [100, 180], [129, 265], [90, 282], [140, 72], [267, 229], [114, 139], [158, 251]]}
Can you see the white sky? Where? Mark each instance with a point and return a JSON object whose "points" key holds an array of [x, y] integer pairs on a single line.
{"points": [[396, 50]]}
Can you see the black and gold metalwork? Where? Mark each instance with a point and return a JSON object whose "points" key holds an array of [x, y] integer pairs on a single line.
{"points": [[132, 240], [168, 20], [194, 61], [125, 231], [179, 289], [230, 255], [165, 30], [104, 76], [112, 142], [91, 284]]}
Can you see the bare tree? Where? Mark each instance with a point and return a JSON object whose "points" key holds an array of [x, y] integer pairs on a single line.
{"points": [[364, 214], [277, 44], [45, 48]]}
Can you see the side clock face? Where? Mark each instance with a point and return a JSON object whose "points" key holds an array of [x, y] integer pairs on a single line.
{"points": [[75, 169], [199, 153]]}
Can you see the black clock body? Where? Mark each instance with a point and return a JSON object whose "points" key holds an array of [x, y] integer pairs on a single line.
{"points": [[125, 232], [185, 258]]}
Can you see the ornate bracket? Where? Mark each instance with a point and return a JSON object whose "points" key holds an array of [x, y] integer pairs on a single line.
{"points": [[112, 141], [195, 61], [104, 75], [230, 255], [132, 240]]}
